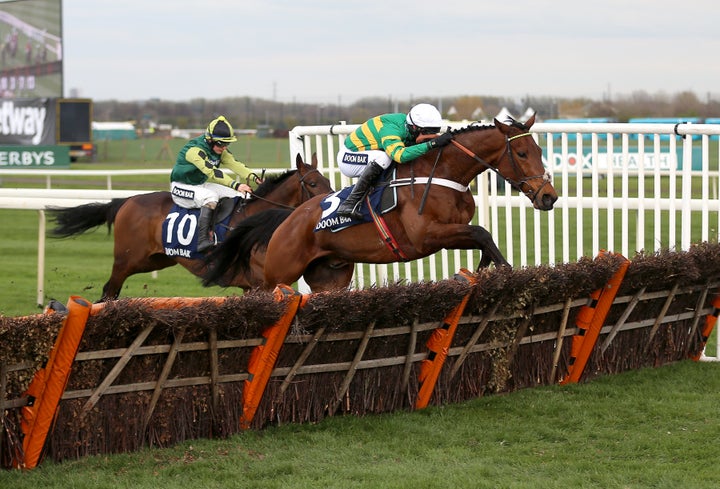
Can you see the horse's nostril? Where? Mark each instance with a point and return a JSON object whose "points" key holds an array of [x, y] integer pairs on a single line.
{"points": [[548, 201]]}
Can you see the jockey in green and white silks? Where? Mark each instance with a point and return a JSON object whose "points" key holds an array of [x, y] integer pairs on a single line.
{"points": [[373, 146], [197, 179]]}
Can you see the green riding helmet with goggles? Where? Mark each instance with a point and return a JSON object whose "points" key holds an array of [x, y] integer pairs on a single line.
{"points": [[220, 131]]}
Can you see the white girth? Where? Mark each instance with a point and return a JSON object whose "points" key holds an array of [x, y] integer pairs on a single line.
{"points": [[403, 182]]}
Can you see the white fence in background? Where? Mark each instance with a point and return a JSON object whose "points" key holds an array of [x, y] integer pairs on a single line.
{"points": [[105, 174]]}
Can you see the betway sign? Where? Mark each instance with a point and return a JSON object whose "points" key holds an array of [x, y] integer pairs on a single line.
{"points": [[24, 122], [27, 122]]}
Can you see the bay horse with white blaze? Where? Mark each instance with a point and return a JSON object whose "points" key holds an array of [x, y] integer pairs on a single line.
{"points": [[139, 221], [434, 207]]}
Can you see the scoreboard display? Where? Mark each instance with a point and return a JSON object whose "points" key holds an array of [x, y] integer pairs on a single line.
{"points": [[31, 49]]}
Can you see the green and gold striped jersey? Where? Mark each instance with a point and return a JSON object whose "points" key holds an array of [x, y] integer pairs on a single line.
{"points": [[389, 133]]}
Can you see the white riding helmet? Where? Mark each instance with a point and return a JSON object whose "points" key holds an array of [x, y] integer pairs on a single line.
{"points": [[425, 116]]}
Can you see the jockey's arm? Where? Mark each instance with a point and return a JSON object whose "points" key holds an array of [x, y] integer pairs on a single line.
{"points": [[214, 174], [243, 173], [396, 149]]}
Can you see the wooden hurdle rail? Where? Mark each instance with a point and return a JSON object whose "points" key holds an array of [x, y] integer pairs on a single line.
{"points": [[305, 365]]}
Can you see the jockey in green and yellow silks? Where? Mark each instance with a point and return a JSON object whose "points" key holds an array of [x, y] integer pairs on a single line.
{"points": [[373, 146], [197, 179]]}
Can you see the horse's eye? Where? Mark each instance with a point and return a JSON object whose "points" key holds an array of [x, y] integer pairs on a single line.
{"points": [[313, 184], [522, 154]]}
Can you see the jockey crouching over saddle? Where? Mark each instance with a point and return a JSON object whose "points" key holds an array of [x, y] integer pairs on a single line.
{"points": [[198, 181], [373, 146]]}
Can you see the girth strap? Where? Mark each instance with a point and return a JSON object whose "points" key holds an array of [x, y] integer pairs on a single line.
{"points": [[385, 233]]}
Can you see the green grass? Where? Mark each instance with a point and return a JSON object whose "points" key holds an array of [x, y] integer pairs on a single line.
{"points": [[640, 429], [248, 149]]}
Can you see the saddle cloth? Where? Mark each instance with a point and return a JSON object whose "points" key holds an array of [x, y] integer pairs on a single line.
{"points": [[382, 198], [179, 231]]}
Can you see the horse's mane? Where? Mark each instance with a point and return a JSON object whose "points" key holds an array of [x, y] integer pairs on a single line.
{"points": [[475, 126], [271, 182]]}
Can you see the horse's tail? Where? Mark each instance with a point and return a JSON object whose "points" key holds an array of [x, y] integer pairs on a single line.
{"points": [[77, 220], [233, 254]]}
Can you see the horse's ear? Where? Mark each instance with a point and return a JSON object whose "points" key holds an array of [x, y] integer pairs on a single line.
{"points": [[503, 128], [299, 161], [530, 121], [314, 160]]}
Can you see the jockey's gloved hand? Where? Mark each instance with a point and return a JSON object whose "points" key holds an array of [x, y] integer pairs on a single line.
{"points": [[441, 140], [241, 187]]}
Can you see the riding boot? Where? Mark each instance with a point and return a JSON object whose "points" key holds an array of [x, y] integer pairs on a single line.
{"points": [[351, 206], [204, 224]]}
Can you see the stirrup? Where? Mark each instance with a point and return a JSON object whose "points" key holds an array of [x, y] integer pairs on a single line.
{"points": [[204, 245], [354, 211]]}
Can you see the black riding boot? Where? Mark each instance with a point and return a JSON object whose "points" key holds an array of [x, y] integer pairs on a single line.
{"points": [[204, 224], [351, 206]]}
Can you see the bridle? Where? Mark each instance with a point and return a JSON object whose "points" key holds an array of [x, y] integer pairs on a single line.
{"points": [[516, 184], [303, 186]]}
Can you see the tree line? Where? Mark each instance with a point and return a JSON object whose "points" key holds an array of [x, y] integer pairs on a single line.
{"points": [[251, 113]]}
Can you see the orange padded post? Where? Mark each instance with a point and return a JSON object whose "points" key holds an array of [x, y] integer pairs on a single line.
{"points": [[263, 358], [438, 346], [590, 321], [49, 383], [710, 321]]}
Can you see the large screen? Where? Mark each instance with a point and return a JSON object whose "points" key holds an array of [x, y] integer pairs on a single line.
{"points": [[31, 49]]}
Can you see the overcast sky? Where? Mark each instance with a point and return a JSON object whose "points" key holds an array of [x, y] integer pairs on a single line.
{"points": [[321, 51]]}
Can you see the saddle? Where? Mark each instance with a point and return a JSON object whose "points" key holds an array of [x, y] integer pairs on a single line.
{"points": [[225, 207]]}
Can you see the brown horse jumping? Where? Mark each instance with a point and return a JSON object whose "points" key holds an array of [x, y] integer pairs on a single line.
{"points": [[139, 220], [434, 207]]}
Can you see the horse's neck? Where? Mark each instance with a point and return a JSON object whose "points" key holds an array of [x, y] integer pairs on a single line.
{"points": [[280, 196], [486, 148], [285, 193]]}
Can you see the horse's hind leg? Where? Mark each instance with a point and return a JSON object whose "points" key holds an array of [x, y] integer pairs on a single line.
{"points": [[322, 275], [112, 288], [124, 268]]}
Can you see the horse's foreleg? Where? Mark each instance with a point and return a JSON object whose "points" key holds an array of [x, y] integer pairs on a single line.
{"points": [[463, 237], [488, 248]]}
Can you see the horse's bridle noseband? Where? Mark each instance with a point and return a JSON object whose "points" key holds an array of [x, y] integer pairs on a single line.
{"points": [[303, 186], [517, 184]]}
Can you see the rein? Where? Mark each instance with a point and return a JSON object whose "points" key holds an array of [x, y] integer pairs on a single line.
{"points": [[306, 193], [427, 187], [516, 184]]}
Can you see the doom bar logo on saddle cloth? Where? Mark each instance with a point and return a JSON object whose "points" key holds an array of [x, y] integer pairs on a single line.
{"points": [[179, 232], [380, 200]]}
